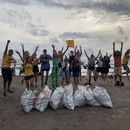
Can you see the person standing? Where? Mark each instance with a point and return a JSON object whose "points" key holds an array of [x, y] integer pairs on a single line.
{"points": [[125, 61], [55, 69], [6, 70], [117, 54], [35, 68], [64, 71], [45, 65], [106, 66], [71, 59], [91, 65], [28, 68]]}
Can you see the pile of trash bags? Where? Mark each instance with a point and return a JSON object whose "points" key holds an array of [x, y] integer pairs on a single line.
{"points": [[64, 97]]}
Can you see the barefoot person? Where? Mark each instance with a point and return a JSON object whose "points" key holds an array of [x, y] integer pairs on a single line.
{"points": [[91, 65], [28, 68], [71, 59], [61, 55], [35, 69], [105, 66], [78, 54], [76, 67], [6, 70], [117, 54], [125, 61], [99, 67], [45, 66], [64, 71]]}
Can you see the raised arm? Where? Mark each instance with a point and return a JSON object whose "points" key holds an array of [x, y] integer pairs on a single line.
{"points": [[86, 55], [35, 51], [65, 50], [54, 50], [22, 49], [113, 47], [62, 49], [98, 54], [121, 47], [20, 56], [6, 48], [75, 49], [80, 50]]}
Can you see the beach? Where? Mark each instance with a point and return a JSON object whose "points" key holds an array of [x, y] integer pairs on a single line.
{"points": [[82, 118]]}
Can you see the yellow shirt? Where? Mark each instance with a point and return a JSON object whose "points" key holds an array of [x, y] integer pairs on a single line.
{"points": [[126, 58], [6, 63], [28, 69]]}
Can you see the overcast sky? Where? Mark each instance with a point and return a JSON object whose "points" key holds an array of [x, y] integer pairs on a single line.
{"points": [[93, 24]]}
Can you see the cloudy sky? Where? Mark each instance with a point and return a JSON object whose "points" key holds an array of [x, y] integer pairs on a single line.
{"points": [[94, 24]]}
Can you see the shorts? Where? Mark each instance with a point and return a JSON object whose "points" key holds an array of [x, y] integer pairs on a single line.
{"points": [[76, 72], [45, 69], [7, 74], [64, 74], [91, 68], [117, 71], [35, 69], [28, 77], [125, 66], [105, 70], [99, 69]]}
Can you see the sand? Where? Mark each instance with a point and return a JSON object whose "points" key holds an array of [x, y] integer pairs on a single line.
{"points": [[82, 118]]}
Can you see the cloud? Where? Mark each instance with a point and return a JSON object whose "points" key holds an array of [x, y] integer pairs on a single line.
{"points": [[54, 40], [120, 29], [36, 29], [121, 33], [20, 18], [73, 35], [118, 6], [18, 2]]}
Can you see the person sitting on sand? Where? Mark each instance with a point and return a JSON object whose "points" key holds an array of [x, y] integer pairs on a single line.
{"points": [[117, 54], [91, 65], [125, 61], [6, 70], [45, 65], [28, 68]]}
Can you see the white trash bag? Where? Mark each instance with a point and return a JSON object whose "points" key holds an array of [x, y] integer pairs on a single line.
{"points": [[68, 99], [102, 96], [43, 99], [28, 100], [79, 98], [57, 98], [90, 99]]}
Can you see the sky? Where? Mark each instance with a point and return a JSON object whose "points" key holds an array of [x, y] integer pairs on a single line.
{"points": [[93, 24]]}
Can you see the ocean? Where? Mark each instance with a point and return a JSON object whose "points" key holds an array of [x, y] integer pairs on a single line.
{"points": [[83, 71]]}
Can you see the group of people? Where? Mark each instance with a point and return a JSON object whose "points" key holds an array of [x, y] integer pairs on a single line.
{"points": [[68, 66]]}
